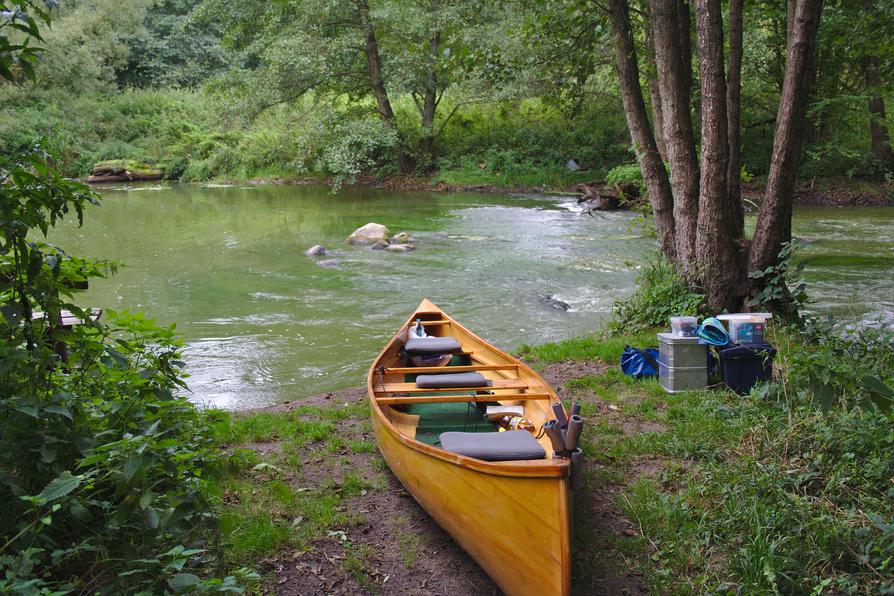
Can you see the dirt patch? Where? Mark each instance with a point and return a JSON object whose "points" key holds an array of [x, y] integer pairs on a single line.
{"points": [[391, 545], [397, 549], [557, 374], [328, 399]]}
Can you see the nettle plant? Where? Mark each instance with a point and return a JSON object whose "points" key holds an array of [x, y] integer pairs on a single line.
{"points": [[101, 461]]}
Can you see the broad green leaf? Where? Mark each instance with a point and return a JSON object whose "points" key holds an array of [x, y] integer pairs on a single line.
{"points": [[47, 454], [146, 499], [824, 395], [181, 582], [61, 410], [60, 486], [79, 512], [29, 410], [132, 466], [880, 394]]}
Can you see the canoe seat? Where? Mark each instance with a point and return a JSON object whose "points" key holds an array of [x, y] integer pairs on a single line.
{"points": [[499, 446], [469, 379], [428, 346]]}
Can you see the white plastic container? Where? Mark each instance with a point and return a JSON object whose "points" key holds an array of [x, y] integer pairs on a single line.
{"points": [[747, 330], [684, 326]]}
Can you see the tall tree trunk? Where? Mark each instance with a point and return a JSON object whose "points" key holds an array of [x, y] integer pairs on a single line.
{"points": [[650, 162], [684, 39], [673, 78], [774, 221], [430, 101], [655, 97], [377, 83], [878, 130], [733, 114], [718, 260]]}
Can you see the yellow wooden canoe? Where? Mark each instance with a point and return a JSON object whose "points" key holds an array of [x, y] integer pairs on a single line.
{"points": [[512, 517]]}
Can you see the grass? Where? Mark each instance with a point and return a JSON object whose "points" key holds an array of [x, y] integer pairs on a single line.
{"points": [[589, 347], [270, 500], [357, 564]]}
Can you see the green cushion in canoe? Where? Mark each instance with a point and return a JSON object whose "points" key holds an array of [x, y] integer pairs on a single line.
{"points": [[435, 419]]}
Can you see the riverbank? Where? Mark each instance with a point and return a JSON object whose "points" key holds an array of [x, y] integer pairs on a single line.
{"points": [[832, 192], [692, 492]]}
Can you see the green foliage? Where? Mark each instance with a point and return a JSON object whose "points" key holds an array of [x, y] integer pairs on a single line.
{"points": [[781, 288], [626, 174], [505, 142], [851, 367], [661, 293], [87, 44], [172, 48], [19, 29], [101, 462]]}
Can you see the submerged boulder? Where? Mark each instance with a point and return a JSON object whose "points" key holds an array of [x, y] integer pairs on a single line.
{"points": [[402, 238], [400, 247], [369, 234], [329, 263], [317, 250], [379, 245]]}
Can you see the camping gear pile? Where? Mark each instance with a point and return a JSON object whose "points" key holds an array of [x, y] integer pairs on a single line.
{"points": [[690, 353]]}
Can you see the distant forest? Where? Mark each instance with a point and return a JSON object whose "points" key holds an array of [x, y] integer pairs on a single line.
{"points": [[464, 92]]}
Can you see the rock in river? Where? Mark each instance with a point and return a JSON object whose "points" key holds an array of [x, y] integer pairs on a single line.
{"points": [[317, 250], [329, 263], [400, 247], [402, 238], [369, 234], [379, 245]]}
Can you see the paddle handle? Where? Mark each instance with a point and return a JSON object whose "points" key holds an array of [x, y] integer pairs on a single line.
{"points": [[552, 430], [559, 411], [572, 436]]}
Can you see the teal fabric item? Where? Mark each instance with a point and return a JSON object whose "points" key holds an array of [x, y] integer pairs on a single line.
{"points": [[713, 332]]}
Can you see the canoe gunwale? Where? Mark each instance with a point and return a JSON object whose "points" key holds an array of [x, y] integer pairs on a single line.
{"points": [[545, 468]]}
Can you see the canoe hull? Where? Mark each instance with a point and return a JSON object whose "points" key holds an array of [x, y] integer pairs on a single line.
{"points": [[515, 527], [512, 517]]}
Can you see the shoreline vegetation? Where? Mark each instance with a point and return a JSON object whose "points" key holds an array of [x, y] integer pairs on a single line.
{"points": [[823, 192]]}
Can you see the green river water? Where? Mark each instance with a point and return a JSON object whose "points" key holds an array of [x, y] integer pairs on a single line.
{"points": [[265, 324]]}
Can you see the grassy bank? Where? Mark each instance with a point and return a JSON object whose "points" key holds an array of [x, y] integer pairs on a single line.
{"points": [[696, 492]]}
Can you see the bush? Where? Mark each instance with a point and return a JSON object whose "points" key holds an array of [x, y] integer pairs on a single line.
{"points": [[101, 461], [661, 293]]}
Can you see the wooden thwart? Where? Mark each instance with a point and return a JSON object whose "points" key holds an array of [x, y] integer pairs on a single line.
{"points": [[412, 388], [449, 369], [437, 399]]}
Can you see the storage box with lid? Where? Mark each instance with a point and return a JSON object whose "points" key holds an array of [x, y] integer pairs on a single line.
{"points": [[682, 363]]}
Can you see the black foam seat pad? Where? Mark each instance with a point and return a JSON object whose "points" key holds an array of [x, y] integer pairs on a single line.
{"points": [[427, 346], [469, 379], [497, 446]]}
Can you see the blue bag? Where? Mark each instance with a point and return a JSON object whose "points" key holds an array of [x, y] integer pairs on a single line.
{"points": [[638, 363]]}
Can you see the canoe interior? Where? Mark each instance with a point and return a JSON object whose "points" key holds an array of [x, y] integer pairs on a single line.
{"points": [[514, 383]]}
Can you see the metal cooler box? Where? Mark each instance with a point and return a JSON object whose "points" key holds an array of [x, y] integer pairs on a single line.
{"points": [[682, 363]]}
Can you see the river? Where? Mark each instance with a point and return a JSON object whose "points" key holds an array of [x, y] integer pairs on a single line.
{"points": [[265, 324]]}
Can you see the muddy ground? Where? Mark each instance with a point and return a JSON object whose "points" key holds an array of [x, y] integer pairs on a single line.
{"points": [[396, 548]]}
